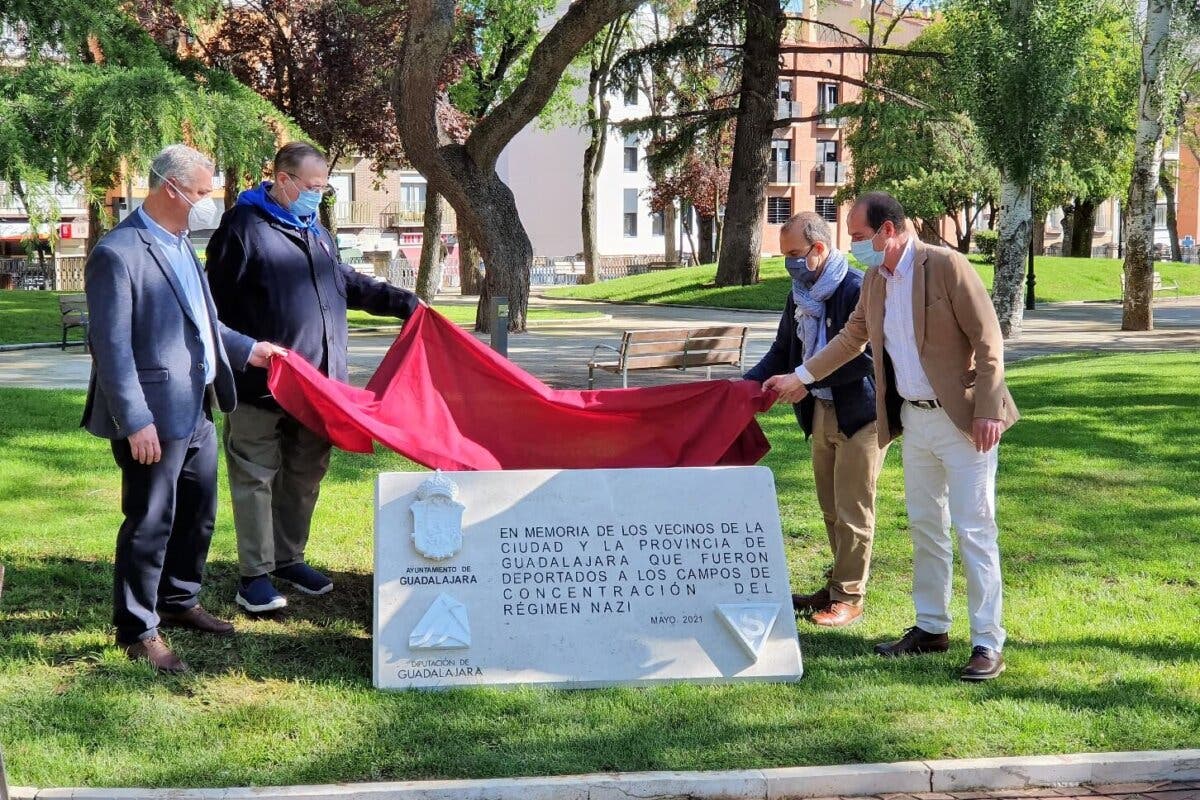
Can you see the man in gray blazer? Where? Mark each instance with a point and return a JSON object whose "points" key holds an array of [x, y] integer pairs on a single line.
{"points": [[160, 360]]}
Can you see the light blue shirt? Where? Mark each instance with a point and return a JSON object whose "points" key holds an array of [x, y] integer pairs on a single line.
{"points": [[824, 393], [179, 254]]}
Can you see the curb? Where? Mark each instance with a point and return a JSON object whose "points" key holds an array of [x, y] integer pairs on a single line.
{"points": [[10, 348], [775, 312], [531, 325], [1025, 772]]}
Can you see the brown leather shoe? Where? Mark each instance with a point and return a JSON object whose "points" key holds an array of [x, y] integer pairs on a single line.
{"points": [[197, 619], [837, 615], [808, 603], [155, 651], [915, 642], [984, 665]]}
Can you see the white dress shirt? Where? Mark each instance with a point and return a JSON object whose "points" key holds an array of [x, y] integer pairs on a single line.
{"points": [[899, 335]]}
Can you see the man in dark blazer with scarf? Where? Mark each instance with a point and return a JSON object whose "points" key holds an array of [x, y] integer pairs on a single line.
{"points": [[160, 361], [838, 415]]}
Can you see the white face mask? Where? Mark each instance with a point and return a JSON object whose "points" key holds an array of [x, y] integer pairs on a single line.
{"points": [[203, 214]]}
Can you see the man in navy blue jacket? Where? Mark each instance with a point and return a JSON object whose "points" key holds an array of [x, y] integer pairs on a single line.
{"points": [[838, 413], [276, 275]]}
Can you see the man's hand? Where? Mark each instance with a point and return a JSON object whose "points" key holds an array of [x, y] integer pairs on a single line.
{"points": [[787, 386], [986, 433], [145, 447], [263, 352]]}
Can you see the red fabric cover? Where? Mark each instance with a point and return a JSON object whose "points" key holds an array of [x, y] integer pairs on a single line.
{"points": [[446, 401]]}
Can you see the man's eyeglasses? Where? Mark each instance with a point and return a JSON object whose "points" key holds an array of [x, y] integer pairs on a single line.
{"points": [[326, 190]]}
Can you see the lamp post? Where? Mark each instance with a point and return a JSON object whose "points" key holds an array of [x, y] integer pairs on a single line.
{"points": [[1030, 280]]}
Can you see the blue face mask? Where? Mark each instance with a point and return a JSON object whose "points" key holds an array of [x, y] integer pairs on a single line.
{"points": [[797, 267], [307, 203], [866, 253]]}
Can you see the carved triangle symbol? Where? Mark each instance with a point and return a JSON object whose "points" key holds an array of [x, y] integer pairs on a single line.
{"points": [[750, 624], [443, 627]]}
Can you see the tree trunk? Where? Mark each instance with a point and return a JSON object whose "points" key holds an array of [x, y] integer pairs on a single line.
{"points": [[705, 234], [1168, 189], [1012, 254], [928, 233], [1068, 229], [96, 222], [1039, 237], [429, 272], [1081, 231], [1138, 311], [593, 159], [233, 187], [671, 251], [741, 239], [468, 264], [327, 217]]}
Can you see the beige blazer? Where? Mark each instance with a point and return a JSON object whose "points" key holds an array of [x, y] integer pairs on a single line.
{"points": [[958, 338]]}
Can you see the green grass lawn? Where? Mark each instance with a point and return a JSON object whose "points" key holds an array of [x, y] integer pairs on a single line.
{"points": [[1058, 279], [1100, 519], [33, 317]]}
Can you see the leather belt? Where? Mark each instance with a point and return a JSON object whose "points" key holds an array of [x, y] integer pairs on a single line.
{"points": [[928, 405]]}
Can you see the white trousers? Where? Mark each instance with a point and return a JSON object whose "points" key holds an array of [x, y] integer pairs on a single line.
{"points": [[946, 481]]}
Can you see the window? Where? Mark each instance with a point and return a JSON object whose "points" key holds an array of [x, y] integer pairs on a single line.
{"points": [[631, 153], [412, 195], [779, 210], [781, 151], [631, 212], [656, 223], [827, 96], [785, 89], [343, 184], [631, 93], [827, 150], [1160, 215], [827, 208]]}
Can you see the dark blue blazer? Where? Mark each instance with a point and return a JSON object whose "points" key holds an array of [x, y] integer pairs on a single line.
{"points": [[147, 355], [852, 385]]}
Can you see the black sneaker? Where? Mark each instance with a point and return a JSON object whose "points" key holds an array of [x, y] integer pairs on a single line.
{"points": [[304, 578], [258, 595]]}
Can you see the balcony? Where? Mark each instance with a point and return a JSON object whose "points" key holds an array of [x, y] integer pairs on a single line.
{"points": [[825, 121], [409, 215], [69, 204], [831, 173], [786, 109], [355, 213], [782, 172]]}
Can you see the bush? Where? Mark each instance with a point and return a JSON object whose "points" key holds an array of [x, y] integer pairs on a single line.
{"points": [[985, 243]]}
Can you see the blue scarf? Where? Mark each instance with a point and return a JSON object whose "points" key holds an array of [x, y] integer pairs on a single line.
{"points": [[810, 299]]}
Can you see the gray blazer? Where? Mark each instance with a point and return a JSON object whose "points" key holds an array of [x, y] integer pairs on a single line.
{"points": [[147, 355]]}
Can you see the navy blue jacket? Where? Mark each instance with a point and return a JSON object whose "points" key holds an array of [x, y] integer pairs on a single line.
{"points": [[852, 385], [286, 284], [147, 355]]}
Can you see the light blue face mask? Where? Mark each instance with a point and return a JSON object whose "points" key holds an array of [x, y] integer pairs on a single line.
{"points": [[866, 253], [307, 203], [797, 267]]}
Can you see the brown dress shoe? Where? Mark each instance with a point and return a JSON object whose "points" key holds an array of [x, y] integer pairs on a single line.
{"points": [[808, 603], [837, 615], [984, 665], [915, 642], [197, 619], [155, 651]]}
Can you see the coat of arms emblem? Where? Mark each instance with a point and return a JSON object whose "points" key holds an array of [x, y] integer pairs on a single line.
{"points": [[437, 518]]}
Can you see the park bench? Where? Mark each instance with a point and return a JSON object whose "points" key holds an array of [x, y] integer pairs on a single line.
{"points": [[673, 348], [1159, 285], [74, 311]]}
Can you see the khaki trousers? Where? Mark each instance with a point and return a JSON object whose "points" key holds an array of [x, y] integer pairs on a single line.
{"points": [[275, 471], [845, 470]]}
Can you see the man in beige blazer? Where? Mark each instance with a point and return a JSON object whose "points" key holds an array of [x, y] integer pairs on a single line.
{"points": [[941, 380]]}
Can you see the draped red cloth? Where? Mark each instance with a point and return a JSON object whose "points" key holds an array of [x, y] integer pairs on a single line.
{"points": [[446, 401]]}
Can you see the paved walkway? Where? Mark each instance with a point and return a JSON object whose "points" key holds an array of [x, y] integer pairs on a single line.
{"points": [[558, 354], [1160, 790]]}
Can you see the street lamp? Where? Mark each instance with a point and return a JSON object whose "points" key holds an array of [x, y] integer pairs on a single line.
{"points": [[1030, 280]]}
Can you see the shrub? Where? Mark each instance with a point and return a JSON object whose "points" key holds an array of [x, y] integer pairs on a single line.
{"points": [[985, 242]]}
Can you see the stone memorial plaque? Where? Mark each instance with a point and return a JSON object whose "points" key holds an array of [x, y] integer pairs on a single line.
{"points": [[577, 578]]}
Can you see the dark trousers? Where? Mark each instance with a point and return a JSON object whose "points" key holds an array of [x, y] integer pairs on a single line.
{"points": [[169, 508]]}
